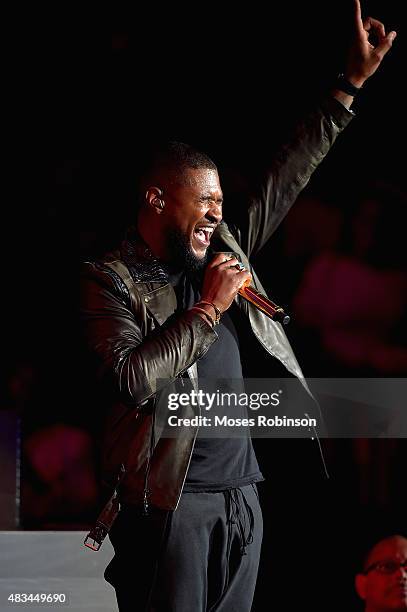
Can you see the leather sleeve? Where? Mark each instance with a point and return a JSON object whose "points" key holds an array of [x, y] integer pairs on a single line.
{"points": [[290, 172], [124, 357]]}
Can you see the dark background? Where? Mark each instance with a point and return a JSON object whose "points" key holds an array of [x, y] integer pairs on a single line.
{"points": [[232, 86]]}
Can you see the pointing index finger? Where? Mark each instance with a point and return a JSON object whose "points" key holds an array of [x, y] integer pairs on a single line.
{"points": [[358, 15]]}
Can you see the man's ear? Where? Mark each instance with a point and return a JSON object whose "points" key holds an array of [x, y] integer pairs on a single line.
{"points": [[360, 585], [154, 199]]}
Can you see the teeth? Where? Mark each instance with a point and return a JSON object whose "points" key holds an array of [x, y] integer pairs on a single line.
{"points": [[206, 229]]}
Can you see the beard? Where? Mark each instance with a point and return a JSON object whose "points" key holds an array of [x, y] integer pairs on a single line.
{"points": [[182, 256]]}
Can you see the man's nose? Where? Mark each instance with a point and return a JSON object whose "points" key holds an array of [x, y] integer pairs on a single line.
{"points": [[214, 214], [402, 571]]}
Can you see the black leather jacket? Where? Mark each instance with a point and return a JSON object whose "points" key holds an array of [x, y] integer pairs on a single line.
{"points": [[128, 311]]}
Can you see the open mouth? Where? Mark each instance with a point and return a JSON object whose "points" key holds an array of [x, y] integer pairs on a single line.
{"points": [[202, 234]]}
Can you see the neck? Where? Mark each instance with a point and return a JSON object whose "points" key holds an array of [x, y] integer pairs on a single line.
{"points": [[153, 239]]}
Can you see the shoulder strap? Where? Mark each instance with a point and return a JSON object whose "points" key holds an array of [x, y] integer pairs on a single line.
{"points": [[122, 270]]}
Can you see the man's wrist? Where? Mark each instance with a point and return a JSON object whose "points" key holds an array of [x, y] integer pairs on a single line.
{"points": [[213, 306], [204, 314], [355, 81], [348, 84]]}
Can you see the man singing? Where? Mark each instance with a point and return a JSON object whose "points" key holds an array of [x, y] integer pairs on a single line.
{"points": [[164, 309]]}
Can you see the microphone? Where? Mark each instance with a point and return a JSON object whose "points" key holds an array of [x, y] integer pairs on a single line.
{"points": [[251, 294], [263, 303]]}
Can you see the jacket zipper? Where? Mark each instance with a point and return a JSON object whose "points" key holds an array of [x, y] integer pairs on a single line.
{"points": [[146, 490], [196, 433], [152, 445]]}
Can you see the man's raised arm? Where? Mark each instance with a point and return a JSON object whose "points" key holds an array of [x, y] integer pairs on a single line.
{"points": [[313, 137]]}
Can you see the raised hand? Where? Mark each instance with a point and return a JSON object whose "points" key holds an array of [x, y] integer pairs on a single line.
{"points": [[369, 46]]}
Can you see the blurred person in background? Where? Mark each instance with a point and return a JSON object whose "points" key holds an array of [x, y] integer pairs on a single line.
{"points": [[354, 299], [59, 486], [382, 583]]}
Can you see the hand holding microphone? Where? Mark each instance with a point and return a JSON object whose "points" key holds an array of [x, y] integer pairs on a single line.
{"points": [[223, 280], [225, 277]]}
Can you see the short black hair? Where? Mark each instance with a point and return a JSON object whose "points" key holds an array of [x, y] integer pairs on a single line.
{"points": [[171, 160]]}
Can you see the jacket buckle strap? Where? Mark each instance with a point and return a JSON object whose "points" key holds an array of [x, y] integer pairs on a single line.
{"points": [[106, 518]]}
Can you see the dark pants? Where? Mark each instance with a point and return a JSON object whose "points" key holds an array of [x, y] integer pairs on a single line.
{"points": [[209, 551]]}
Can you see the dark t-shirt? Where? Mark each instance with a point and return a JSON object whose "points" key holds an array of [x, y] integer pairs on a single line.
{"points": [[219, 463]]}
